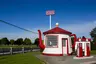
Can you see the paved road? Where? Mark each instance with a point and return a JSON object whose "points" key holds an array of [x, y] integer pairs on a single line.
{"points": [[66, 60]]}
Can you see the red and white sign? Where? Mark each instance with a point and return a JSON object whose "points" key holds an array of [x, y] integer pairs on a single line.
{"points": [[50, 12]]}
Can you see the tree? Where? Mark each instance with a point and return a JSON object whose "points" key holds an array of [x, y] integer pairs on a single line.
{"points": [[36, 41], [0, 41], [93, 36], [93, 33], [43, 41], [19, 41], [27, 41], [12, 41], [5, 41]]}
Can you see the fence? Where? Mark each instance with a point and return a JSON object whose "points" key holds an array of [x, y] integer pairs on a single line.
{"points": [[5, 51]]}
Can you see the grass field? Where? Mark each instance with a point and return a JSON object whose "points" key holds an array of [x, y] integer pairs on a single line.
{"points": [[17, 46], [93, 52], [26, 58]]}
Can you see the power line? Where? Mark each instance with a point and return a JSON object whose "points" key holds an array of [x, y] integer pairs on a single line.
{"points": [[17, 27]]}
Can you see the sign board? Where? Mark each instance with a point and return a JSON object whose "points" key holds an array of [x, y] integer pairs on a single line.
{"points": [[50, 12]]}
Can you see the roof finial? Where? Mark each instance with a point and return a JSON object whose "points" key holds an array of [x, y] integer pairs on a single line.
{"points": [[57, 24]]}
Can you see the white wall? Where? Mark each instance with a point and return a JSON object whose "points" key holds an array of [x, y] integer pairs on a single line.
{"points": [[59, 49], [69, 42], [53, 50]]}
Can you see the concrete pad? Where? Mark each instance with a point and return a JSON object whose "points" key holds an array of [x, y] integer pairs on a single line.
{"points": [[91, 62], [66, 60], [83, 57]]}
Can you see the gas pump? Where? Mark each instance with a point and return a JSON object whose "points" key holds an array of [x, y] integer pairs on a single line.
{"points": [[82, 48], [79, 50], [87, 49]]}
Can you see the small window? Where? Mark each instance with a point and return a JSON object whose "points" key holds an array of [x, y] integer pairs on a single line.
{"points": [[64, 42], [51, 41]]}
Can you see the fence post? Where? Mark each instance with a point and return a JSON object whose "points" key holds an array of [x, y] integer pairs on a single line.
{"points": [[11, 50], [2, 51], [22, 49], [31, 48]]}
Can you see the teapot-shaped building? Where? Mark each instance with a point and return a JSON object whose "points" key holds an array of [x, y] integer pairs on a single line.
{"points": [[57, 42]]}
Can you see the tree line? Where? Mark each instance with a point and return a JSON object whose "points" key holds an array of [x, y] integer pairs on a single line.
{"points": [[19, 41], [27, 41]]}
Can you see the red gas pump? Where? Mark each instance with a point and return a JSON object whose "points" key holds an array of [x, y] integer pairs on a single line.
{"points": [[79, 50], [87, 49]]}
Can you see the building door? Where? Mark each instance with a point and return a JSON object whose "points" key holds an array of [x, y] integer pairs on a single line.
{"points": [[64, 45]]}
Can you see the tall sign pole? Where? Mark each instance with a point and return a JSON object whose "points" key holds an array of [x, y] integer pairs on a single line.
{"points": [[50, 13], [50, 21]]}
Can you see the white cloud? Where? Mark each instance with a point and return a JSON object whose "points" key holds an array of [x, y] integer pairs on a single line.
{"points": [[81, 29], [94, 22]]}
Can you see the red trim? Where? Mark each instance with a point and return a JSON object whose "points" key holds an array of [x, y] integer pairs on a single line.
{"points": [[62, 45], [79, 50], [83, 39], [87, 49], [52, 54], [57, 30], [51, 46]]}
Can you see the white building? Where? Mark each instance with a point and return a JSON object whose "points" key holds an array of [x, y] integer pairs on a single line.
{"points": [[57, 42]]}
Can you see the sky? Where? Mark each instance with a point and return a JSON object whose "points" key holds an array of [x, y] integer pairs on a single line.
{"points": [[76, 16]]}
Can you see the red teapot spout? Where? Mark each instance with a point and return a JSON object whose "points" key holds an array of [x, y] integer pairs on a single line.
{"points": [[41, 45]]}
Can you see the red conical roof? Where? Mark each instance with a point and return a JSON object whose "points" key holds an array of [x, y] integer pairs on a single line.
{"points": [[57, 30]]}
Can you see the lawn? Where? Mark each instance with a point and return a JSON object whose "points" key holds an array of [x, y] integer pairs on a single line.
{"points": [[26, 58], [93, 52], [17, 46]]}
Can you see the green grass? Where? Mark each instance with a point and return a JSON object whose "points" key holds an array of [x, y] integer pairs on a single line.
{"points": [[17, 46], [93, 52], [26, 58]]}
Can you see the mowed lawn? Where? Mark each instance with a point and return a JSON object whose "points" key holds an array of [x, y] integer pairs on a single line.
{"points": [[17, 46], [93, 52], [26, 58]]}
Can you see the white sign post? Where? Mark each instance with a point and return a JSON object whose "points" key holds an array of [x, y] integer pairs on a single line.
{"points": [[50, 21], [49, 13]]}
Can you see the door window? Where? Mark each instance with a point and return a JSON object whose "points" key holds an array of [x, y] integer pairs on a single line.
{"points": [[64, 42]]}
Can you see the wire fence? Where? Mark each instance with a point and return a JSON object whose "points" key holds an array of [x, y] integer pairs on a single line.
{"points": [[8, 51]]}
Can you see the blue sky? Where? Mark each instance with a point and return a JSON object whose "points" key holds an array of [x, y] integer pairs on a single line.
{"points": [[77, 16]]}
